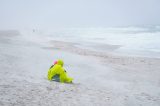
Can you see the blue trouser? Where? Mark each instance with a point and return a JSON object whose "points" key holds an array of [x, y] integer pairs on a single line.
{"points": [[56, 78]]}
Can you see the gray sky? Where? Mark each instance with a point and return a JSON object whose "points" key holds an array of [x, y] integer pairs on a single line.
{"points": [[78, 13]]}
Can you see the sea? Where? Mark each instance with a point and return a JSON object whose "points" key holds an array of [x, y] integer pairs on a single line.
{"points": [[132, 40]]}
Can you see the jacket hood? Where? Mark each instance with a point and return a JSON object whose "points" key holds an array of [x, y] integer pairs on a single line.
{"points": [[60, 62]]}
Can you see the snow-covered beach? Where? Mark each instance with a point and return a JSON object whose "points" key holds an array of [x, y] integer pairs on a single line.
{"points": [[115, 67]]}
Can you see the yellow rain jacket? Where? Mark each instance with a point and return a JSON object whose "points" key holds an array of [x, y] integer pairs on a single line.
{"points": [[58, 69]]}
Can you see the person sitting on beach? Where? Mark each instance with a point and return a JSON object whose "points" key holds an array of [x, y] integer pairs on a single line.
{"points": [[58, 73]]}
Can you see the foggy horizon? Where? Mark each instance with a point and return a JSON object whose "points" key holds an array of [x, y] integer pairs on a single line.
{"points": [[78, 13]]}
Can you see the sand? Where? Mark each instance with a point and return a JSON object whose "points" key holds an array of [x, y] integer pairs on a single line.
{"points": [[101, 78]]}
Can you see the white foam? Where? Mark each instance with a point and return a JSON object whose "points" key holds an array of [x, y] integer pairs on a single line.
{"points": [[135, 39]]}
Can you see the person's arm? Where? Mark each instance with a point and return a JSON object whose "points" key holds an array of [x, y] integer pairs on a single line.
{"points": [[64, 77], [49, 74]]}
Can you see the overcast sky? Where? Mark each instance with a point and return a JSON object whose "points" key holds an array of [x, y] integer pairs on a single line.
{"points": [[78, 13]]}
